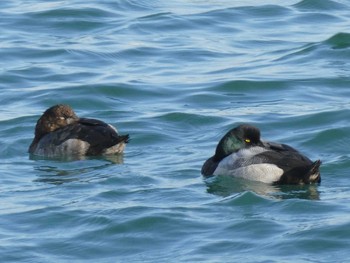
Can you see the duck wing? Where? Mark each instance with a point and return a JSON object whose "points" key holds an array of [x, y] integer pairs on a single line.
{"points": [[92, 122], [297, 168], [274, 146], [98, 134]]}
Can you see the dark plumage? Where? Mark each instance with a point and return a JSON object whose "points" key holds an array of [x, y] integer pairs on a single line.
{"points": [[241, 153], [60, 132]]}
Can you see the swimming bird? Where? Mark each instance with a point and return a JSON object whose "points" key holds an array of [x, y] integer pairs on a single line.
{"points": [[60, 132], [241, 153]]}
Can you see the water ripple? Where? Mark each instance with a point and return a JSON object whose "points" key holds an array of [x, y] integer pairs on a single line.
{"points": [[175, 76]]}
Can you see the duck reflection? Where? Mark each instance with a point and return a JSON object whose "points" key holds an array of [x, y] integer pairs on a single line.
{"points": [[227, 185], [69, 169], [113, 158]]}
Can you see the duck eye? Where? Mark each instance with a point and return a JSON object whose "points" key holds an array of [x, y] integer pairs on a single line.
{"points": [[247, 140]]}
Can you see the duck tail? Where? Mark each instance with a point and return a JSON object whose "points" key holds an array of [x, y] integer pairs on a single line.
{"points": [[314, 175], [124, 138]]}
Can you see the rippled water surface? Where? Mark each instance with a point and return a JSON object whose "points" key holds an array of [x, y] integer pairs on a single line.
{"points": [[176, 76]]}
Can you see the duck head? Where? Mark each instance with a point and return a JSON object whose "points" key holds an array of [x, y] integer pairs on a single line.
{"points": [[56, 117], [243, 136]]}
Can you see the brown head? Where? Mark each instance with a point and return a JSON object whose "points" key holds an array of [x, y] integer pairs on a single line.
{"points": [[56, 117]]}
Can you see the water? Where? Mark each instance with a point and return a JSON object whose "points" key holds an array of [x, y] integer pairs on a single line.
{"points": [[175, 76]]}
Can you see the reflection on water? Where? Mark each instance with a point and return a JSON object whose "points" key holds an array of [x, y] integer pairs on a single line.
{"points": [[309, 192], [228, 185], [68, 169], [113, 158]]}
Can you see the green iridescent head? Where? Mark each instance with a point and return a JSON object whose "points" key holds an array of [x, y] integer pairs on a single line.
{"points": [[243, 136]]}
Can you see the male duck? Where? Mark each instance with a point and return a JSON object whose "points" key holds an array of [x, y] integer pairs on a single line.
{"points": [[241, 153], [60, 132]]}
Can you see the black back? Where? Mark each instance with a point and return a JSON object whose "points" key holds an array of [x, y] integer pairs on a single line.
{"points": [[297, 167], [97, 133]]}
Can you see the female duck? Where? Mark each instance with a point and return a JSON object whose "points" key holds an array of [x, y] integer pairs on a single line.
{"points": [[241, 153], [60, 132]]}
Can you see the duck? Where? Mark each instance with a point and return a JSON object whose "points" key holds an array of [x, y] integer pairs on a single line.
{"points": [[60, 132], [241, 153]]}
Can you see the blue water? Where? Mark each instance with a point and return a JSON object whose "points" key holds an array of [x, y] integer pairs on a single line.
{"points": [[176, 76]]}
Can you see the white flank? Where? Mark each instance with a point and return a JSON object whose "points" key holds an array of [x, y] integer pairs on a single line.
{"points": [[67, 148], [230, 162], [263, 172], [233, 165]]}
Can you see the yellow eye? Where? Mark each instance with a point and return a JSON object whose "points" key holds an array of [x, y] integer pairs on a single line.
{"points": [[247, 140]]}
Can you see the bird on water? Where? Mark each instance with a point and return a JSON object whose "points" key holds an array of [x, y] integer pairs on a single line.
{"points": [[60, 132], [242, 153]]}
